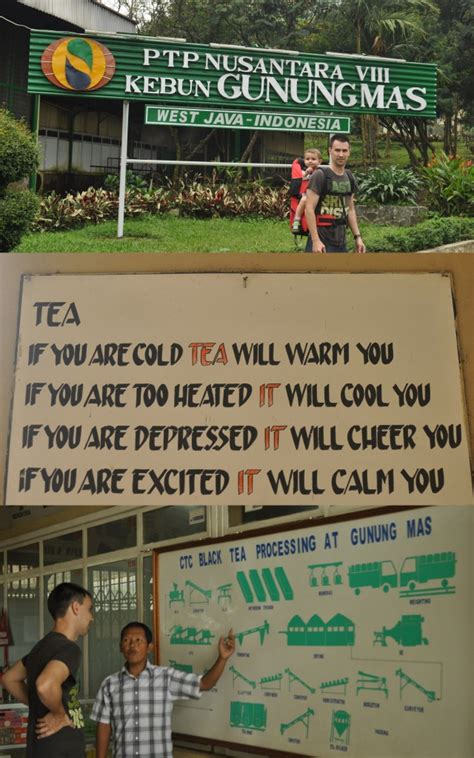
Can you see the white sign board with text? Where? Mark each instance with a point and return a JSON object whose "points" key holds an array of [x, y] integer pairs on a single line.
{"points": [[228, 388], [353, 636]]}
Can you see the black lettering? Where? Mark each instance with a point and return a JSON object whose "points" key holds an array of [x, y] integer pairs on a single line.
{"points": [[104, 481], [255, 354], [422, 479], [295, 481]]}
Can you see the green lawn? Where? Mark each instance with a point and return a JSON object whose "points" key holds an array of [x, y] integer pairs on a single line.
{"points": [[167, 234]]}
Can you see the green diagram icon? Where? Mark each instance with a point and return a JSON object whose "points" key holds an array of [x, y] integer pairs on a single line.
{"points": [[248, 715], [319, 575], [407, 632], [371, 682], [223, 594], [419, 569], [197, 594], [238, 675], [245, 587], [337, 632], [271, 586], [187, 667], [175, 596], [303, 718], [432, 569], [285, 585], [376, 574], [261, 630], [271, 682], [340, 728], [336, 686], [292, 677], [406, 681], [189, 635]]}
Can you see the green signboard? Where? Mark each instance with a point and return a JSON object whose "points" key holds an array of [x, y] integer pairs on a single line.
{"points": [[183, 75], [226, 119]]}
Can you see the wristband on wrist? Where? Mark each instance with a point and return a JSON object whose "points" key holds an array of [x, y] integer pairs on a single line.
{"points": [[357, 235]]}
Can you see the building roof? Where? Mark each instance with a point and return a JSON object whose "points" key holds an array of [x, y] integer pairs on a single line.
{"points": [[315, 620], [296, 621], [89, 15], [340, 620]]}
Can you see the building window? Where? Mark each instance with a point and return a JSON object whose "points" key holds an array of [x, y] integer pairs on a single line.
{"points": [[173, 521], [23, 558], [148, 591], [61, 549], [240, 514], [23, 613], [116, 535], [114, 592]]}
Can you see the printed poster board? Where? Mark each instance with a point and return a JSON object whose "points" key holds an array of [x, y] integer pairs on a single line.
{"points": [[352, 636], [237, 388]]}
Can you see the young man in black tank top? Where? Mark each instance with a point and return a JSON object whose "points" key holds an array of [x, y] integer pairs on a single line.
{"points": [[330, 203], [45, 679]]}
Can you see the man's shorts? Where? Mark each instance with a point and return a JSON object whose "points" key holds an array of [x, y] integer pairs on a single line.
{"points": [[329, 248]]}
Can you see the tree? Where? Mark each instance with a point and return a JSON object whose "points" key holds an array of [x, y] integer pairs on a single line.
{"points": [[18, 159], [441, 31], [138, 10], [252, 23], [380, 27], [257, 23], [451, 47]]}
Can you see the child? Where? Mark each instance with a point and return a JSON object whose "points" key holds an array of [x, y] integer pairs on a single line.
{"points": [[301, 173]]}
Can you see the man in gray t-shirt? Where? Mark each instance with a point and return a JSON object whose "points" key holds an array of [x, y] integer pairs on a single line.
{"points": [[330, 203]]}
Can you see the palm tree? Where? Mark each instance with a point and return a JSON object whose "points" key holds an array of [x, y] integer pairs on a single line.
{"points": [[383, 27]]}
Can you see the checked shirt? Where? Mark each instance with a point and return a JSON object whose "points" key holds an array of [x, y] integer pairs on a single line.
{"points": [[139, 709]]}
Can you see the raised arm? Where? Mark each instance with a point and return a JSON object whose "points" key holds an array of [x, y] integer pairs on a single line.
{"points": [[14, 681], [226, 649], [48, 687]]}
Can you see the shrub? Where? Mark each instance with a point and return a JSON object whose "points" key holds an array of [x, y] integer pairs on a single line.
{"points": [[388, 186], [133, 181], [449, 185], [18, 158], [111, 182], [432, 233], [17, 209], [192, 199], [18, 149], [93, 205]]}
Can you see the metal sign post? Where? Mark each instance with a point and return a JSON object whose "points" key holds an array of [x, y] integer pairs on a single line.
{"points": [[123, 167]]}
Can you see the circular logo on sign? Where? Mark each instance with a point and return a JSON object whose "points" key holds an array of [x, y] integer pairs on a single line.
{"points": [[78, 64]]}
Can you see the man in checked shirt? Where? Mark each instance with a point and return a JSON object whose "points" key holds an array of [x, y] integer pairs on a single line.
{"points": [[135, 704]]}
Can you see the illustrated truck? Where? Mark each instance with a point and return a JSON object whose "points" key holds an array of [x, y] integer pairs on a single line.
{"points": [[419, 569], [416, 569], [376, 574]]}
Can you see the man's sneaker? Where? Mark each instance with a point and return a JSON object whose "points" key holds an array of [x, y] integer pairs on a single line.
{"points": [[296, 227]]}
